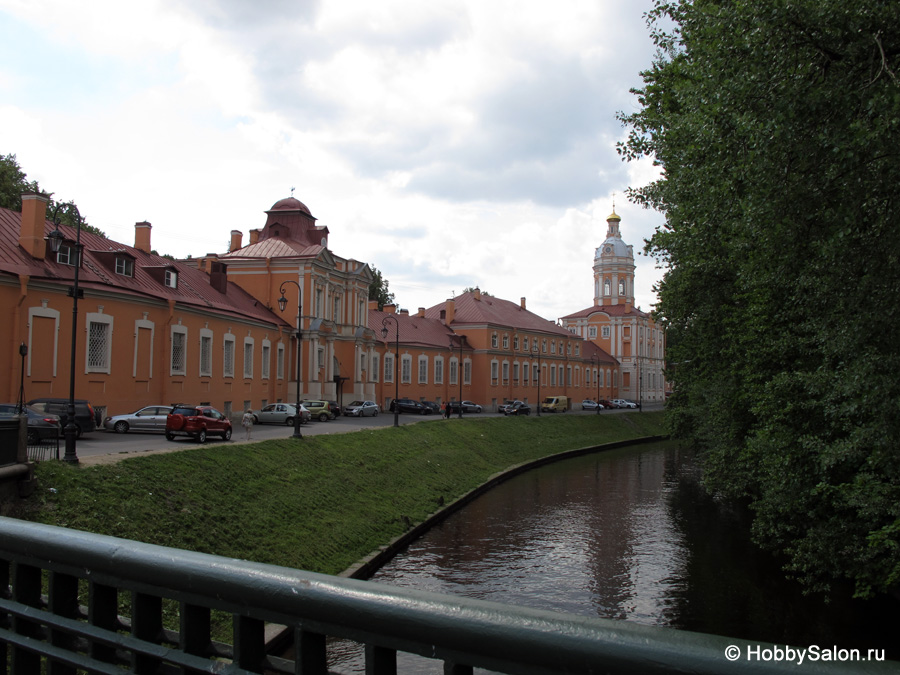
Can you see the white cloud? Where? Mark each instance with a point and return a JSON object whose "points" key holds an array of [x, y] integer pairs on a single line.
{"points": [[449, 143]]}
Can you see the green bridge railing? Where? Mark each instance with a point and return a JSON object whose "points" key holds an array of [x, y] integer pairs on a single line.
{"points": [[74, 602]]}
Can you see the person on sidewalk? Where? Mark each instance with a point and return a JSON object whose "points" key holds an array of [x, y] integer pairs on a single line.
{"points": [[247, 422]]}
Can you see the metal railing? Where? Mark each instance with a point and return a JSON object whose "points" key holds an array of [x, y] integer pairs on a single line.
{"points": [[73, 602]]}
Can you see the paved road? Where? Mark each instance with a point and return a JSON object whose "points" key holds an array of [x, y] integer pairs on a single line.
{"points": [[109, 443]]}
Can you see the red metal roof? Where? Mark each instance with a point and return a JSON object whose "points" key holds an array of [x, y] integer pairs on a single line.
{"points": [[414, 330], [193, 287], [496, 312]]}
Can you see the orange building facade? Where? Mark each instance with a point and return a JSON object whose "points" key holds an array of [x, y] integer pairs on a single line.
{"points": [[209, 329]]}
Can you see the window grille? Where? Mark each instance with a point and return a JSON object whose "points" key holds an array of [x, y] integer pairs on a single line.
{"points": [[98, 345], [493, 372], [178, 353], [265, 361], [248, 359], [229, 358], [279, 361], [388, 367], [439, 371], [205, 355], [467, 372], [423, 370], [406, 370], [454, 372]]}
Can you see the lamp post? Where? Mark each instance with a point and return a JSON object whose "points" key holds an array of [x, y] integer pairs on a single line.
{"points": [[384, 334], [537, 350], [282, 305], [56, 239], [459, 374], [595, 360]]}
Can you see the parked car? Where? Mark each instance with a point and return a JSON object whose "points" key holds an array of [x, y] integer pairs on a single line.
{"points": [[281, 413], [149, 418], [197, 422], [518, 408], [470, 407], [41, 426], [86, 420], [623, 403], [588, 404], [607, 404], [335, 408], [506, 405], [434, 406], [320, 410], [409, 406], [362, 409], [555, 404]]}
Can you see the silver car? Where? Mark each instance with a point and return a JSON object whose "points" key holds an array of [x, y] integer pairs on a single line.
{"points": [[361, 409], [151, 418], [280, 413]]}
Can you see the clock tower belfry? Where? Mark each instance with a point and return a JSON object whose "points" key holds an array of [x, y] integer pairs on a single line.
{"points": [[613, 268]]}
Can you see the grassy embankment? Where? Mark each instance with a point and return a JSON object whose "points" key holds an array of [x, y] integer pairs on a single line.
{"points": [[319, 504]]}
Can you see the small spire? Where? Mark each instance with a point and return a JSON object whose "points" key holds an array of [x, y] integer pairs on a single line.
{"points": [[293, 188]]}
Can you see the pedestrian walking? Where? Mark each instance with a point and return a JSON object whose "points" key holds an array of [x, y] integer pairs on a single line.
{"points": [[247, 422], [447, 410]]}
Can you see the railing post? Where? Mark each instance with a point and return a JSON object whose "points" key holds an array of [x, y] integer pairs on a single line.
{"points": [[194, 632], [63, 598], [27, 590], [146, 624], [249, 643], [380, 660], [103, 612], [311, 657]]}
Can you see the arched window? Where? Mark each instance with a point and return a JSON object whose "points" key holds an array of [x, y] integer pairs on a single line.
{"points": [[606, 287]]}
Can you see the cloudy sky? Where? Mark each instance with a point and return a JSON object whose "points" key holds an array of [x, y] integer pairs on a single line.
{"points": [[449, 143]]}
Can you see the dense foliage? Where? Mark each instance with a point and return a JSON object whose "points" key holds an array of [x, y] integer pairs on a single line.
{"points": [[378, 289], [777, 127], [13, 183]]}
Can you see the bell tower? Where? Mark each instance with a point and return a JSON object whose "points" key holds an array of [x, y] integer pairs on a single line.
{"points": [[613, 268]]}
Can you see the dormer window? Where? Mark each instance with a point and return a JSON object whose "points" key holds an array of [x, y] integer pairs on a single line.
{"points": [[171, 279], [125, 267], [66, 255]]}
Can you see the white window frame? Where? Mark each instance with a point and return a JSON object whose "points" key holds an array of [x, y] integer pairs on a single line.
{"points": [[374, 370], [439, 370], [205, 361], [228, 356], [605, 332], [467, 371], [453, 380], [389, 368], [279, 361], [423, 369], [406, 369], [171, 278], [248, 363], [495, 371], [176, 368], [265, 365], [99, 319], [125, 267]]}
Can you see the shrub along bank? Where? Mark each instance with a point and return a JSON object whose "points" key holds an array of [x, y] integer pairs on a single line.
{"points": [[319, 504]]}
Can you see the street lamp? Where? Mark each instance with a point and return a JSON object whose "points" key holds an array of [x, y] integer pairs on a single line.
{"points": [[384, 334], [537, 350], [56, 239], [595, 360], [282, 305], [459, 374]]}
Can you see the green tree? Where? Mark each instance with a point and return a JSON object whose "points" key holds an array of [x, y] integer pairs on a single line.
{"points": [[777, 126], [13, 184], [378, 289]]}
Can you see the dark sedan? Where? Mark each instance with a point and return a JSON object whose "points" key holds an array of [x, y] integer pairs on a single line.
{"points": [[407, 405], [41, 426], [518, 408]]}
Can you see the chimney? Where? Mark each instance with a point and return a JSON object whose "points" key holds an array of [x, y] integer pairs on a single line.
{"points": [[477, 293], [254, 237], [236, 236], [34, 219], [142, 236], [404, 312], [373, 304], [389, 309], [449, 311], [421, 313], [218, 276], [522, 303]]}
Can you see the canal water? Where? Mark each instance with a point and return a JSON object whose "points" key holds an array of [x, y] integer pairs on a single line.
{"points": [[626, 534]]}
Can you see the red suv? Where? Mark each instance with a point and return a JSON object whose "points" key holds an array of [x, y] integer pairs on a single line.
{"points": [[197, 422]]}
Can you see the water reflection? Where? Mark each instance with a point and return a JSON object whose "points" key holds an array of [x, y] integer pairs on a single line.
{"points": [[627, 534]]}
